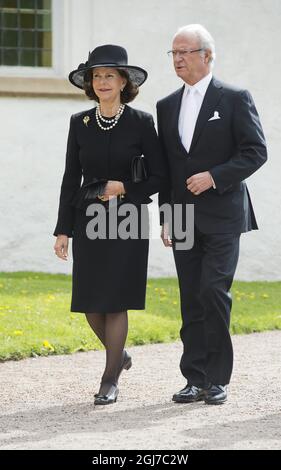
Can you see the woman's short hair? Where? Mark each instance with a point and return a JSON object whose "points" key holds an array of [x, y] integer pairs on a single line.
{"points": [[128, 94]]}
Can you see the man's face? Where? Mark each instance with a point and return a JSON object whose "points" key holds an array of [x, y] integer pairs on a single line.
{"points": [[189, 67]]}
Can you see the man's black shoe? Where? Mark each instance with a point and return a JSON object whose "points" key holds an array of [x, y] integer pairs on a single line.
{"points": [[189, 394], [216, 395]]}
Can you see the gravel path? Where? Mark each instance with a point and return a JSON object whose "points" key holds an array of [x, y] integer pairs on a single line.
{"points": [[47, 403]]}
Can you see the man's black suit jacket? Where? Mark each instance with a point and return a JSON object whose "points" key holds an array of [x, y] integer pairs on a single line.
{"points": [[231, 148]]}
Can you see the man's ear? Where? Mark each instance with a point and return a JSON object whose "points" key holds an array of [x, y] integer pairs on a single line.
{"points": [[207, 57]]}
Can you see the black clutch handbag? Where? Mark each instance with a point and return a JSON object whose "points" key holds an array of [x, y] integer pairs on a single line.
{"points": [[139, 170], [89, 191], [95, 188]]}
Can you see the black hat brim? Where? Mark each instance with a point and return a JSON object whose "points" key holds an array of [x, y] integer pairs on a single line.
{"points": [[136, 74]]}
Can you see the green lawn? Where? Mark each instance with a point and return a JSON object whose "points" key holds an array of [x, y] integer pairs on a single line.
{"points": [[35, 317]]}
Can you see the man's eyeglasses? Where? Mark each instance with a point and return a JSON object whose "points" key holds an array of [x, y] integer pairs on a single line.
{"points": [[183, 53]]}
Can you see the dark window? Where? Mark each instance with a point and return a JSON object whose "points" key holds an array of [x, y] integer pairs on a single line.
{"points": [[26, 33]]}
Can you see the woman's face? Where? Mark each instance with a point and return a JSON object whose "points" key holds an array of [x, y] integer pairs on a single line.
{"points": [[107, 83]]}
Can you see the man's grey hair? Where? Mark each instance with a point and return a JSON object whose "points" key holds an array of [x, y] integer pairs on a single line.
{"points": [[206, 40]]}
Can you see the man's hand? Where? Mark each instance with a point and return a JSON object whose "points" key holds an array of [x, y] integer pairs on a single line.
{"points": [[165, 235], [199, 183]]}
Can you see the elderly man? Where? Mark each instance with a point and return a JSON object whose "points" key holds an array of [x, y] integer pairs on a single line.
{"points": [[212, 140]]}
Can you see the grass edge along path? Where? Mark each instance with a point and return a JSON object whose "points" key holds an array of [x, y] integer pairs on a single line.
{"points": [[35, 319]]}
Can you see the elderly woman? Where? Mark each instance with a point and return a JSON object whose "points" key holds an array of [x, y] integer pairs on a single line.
{"points": [[110, 270]]}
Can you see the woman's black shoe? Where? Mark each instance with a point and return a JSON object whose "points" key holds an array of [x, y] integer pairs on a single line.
{"points": [[110, 397], [126, 364]]}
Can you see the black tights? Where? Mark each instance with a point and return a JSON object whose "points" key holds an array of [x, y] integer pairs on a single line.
{"points": [[112, 330]]}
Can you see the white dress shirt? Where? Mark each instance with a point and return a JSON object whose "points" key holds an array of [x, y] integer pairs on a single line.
{"points": [[199, 90], [192, 104]]}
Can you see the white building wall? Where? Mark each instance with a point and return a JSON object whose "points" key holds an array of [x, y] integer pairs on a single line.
{"points": [[34, 130]]}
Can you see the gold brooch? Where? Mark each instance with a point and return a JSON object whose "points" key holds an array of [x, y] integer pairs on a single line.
{"points": [[86, 119]]}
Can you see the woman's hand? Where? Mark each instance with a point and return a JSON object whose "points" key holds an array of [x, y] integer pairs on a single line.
{"points": [[61, 247], [113, 188]]}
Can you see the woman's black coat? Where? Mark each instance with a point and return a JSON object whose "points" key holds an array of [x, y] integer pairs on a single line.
{"points": [[108, 275]]}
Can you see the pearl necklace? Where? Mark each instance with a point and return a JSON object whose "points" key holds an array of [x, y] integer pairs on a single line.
{"points": [[113, 121]]}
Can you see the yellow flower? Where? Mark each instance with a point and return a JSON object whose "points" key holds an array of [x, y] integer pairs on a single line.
{"points": [[18, 333], [175, 303], [47, 345], [265, 296]]}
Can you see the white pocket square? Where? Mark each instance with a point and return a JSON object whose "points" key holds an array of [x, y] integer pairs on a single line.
{"points": [[215, 116]]}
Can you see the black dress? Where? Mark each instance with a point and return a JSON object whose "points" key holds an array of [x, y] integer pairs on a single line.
{"points": [[109, 275]]}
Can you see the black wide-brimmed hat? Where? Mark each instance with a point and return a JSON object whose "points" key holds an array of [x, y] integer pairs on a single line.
{"points": [[108, 55]]}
